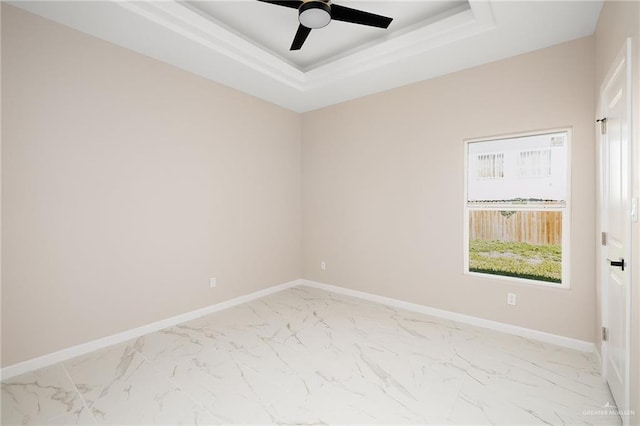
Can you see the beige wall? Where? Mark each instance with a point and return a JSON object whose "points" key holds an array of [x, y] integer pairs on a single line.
{"points": [[619, 20], [383, 187], [126, 184]]}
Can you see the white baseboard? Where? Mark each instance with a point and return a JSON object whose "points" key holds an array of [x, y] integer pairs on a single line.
{"points": [[528, 333], [597, 353], [84, 348]]}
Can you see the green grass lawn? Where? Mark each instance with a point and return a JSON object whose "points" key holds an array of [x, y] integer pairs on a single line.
{"points": [[522, 260]]}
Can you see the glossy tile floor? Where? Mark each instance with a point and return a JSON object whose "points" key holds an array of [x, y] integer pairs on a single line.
{"points": [[308, 356]]}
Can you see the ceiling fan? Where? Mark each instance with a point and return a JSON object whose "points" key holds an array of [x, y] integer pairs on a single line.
{"points": [[313, 14]]}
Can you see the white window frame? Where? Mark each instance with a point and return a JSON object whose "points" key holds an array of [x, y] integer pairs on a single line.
{"points": [[566, 216]]}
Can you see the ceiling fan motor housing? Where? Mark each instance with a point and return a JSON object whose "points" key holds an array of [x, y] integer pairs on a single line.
{"points": [[314, 14]]}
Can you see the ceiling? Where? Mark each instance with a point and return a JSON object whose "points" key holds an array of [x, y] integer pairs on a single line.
{"points": [[275, 28], [244, 44]]}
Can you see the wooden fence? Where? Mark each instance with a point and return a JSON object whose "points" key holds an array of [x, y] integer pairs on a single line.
{"points": [[534, 227]]}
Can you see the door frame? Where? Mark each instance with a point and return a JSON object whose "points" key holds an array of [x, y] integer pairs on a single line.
{"points": [[623, 55]]}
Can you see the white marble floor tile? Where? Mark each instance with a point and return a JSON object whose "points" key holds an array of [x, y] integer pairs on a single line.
{"points": [[46, 396], [81, 416], [306, 356], [121, 387]]}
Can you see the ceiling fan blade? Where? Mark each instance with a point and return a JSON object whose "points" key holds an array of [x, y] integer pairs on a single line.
{"points": [[301, 36], [346, 14], [293, 4]]}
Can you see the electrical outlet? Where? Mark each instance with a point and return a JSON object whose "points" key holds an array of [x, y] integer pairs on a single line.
{"points": [[212, 282], [511, 299], [323, 265]]}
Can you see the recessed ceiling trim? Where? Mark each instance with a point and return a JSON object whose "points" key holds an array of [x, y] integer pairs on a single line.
{"points": [[482, 11], [178, 17], [181, 19], [463, 24], [181, 34]]}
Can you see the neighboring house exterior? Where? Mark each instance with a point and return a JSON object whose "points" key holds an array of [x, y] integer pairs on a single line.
{"points": [[525, 168]]}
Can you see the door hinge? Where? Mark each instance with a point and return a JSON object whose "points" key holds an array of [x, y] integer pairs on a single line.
{"points": [[605, 334], [603, 125], [604, 238]]}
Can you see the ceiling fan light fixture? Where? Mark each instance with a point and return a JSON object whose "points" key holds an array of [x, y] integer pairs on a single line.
{"points": [[314, 14]]}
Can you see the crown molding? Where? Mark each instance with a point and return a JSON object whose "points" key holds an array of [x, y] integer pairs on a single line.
{"points": [[181, 35], [203, 29], [416, 40]]}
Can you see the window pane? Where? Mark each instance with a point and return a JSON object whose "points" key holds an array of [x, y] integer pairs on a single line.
{"points": [[517, 190], [526, 170], [523, 244]]}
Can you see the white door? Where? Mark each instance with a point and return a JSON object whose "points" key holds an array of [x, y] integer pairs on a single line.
{"points": [[615, 142]]}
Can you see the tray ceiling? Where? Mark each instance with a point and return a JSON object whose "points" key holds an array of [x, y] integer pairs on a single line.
{"points": [[244, 43], [272, 27]]}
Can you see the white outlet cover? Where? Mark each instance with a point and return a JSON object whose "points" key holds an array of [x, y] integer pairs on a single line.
{"points": [[212, 282]]}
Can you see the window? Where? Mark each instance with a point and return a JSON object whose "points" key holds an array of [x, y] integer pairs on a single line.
{"points": [[490, 166], [535, 163], [516, 208]]}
